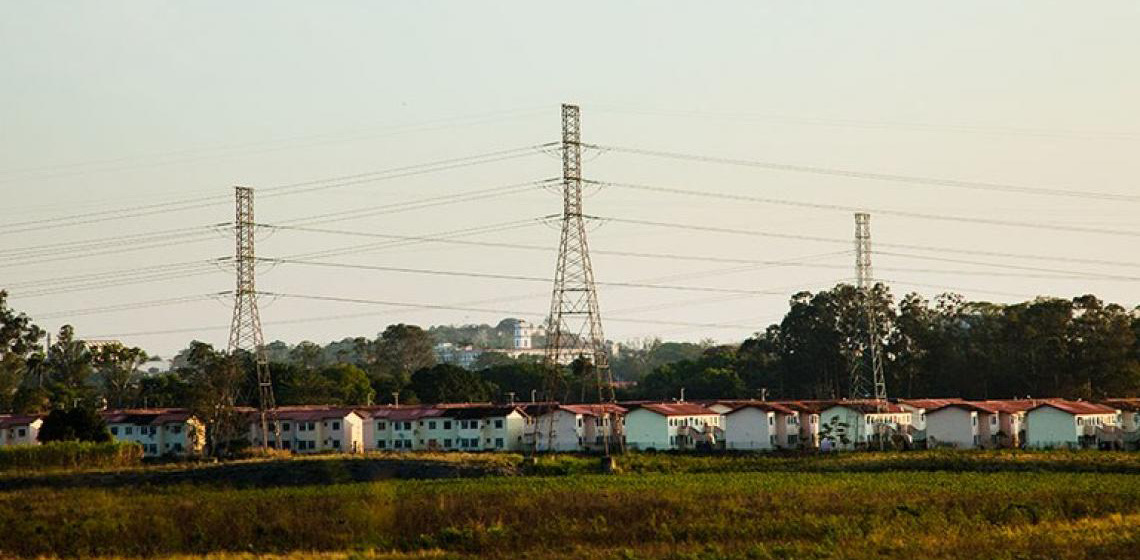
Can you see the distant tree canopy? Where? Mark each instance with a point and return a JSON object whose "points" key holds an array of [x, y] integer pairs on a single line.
{"points": [[74, 424], [1078, 348]]}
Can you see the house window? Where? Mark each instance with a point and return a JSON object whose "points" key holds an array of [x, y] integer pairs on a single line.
{"points": [[447, 443], [336, 444], [771, 421], [285, 444], [381, 426], [974, 420], [408, 444], [336, 425], [381, 444], [114, 430], [399, 444], [21, 432], [488, 442], [285, 427], [993, 419], [312, 426], [499, 443], [447, 424], [407, 425], [177, 447], [128, 430], [498, 423], [301, 427]]}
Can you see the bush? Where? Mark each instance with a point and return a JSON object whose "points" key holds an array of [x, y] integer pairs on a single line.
{"points": [[75, 424], [70, 455]]}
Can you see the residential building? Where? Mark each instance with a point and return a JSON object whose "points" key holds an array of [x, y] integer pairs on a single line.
{"points": [[313, 429], [1063, 423], [809, 419], [964, 425], [573, 427], [446, 427], [918, 409], [19, 429], [851, 424], [673, 425], [1129, 420], [1011, 421], [160, 431], [761, 425]]}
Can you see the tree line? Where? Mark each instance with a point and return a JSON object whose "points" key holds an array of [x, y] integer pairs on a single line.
{"points": [[1075, 348]]}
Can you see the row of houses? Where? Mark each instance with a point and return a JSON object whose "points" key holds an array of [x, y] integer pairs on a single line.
{"points": [[742, 425]]}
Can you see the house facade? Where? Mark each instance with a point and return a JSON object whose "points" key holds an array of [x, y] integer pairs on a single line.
{"points": [[161, 432], [761, 426], [574, 427], [961, 425], [856, 424], [314, 430], [479, 427], [677, 425], [18, 429], [1071, 424]]}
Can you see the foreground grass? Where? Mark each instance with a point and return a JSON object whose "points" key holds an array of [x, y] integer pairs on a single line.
{"points": [[748, 515]]}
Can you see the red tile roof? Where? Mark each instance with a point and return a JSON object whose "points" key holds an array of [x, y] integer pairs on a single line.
{"points": [[1011, 406], [871, 406], [1076, 407], [766, 406], [808, 406], [8, 420], [929, 404], [592, 409], [677, 409], [147, 416], [1129, 404], [970, 406]]}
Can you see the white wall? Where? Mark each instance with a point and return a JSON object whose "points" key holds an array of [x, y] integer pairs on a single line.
{"points": [[645, 429], [1048, 427], [749, 428], [952, 426]]}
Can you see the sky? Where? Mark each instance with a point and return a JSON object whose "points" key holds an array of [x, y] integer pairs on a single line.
{"points": [[1008, 134]]}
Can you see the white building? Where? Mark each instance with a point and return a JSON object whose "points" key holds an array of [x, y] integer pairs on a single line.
{"points": [[574, 427], [160, 431], [314, 429], [1129, 420], [678, 425], [761, 426], [448, 427], [848, 424], [20, 429], [964, 425], [462, 355], [1062, 423]]}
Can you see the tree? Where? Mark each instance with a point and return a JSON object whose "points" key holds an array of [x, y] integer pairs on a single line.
{"points": [[69, 367], [215, 380], [446, 383], [116, 365], [19, 339], [79, 423]]}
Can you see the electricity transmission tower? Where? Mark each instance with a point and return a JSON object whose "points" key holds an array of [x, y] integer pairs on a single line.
{"points": [[575, 328], [245, 330], [867, 379]]}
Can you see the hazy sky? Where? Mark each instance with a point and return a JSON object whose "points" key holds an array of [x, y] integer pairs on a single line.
{"points": [[109, 105]]}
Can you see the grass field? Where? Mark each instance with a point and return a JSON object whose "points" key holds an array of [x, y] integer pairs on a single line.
{"points": [[1002, 506]]}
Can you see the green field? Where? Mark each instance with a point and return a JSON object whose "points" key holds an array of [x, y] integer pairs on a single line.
{"points": [[1001, 505]]}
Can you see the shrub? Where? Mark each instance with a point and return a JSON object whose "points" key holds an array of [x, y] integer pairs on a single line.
{"points": [[70, 455]]}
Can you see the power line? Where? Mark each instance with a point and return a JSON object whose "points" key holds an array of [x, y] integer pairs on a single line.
{"points": [[900, 213], [497, 276], [150, 304], [890, 177], [280, 190]]}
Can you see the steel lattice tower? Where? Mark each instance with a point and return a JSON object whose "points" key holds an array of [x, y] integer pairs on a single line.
{"points": [[575, 328], [245, 330], [867, 380]]}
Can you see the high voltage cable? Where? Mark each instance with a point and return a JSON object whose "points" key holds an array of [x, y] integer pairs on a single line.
{"points": [[890, 177], [280, 190], [797, 237], [496, 276], [132, 306], [480, 310], [900, 213]]}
